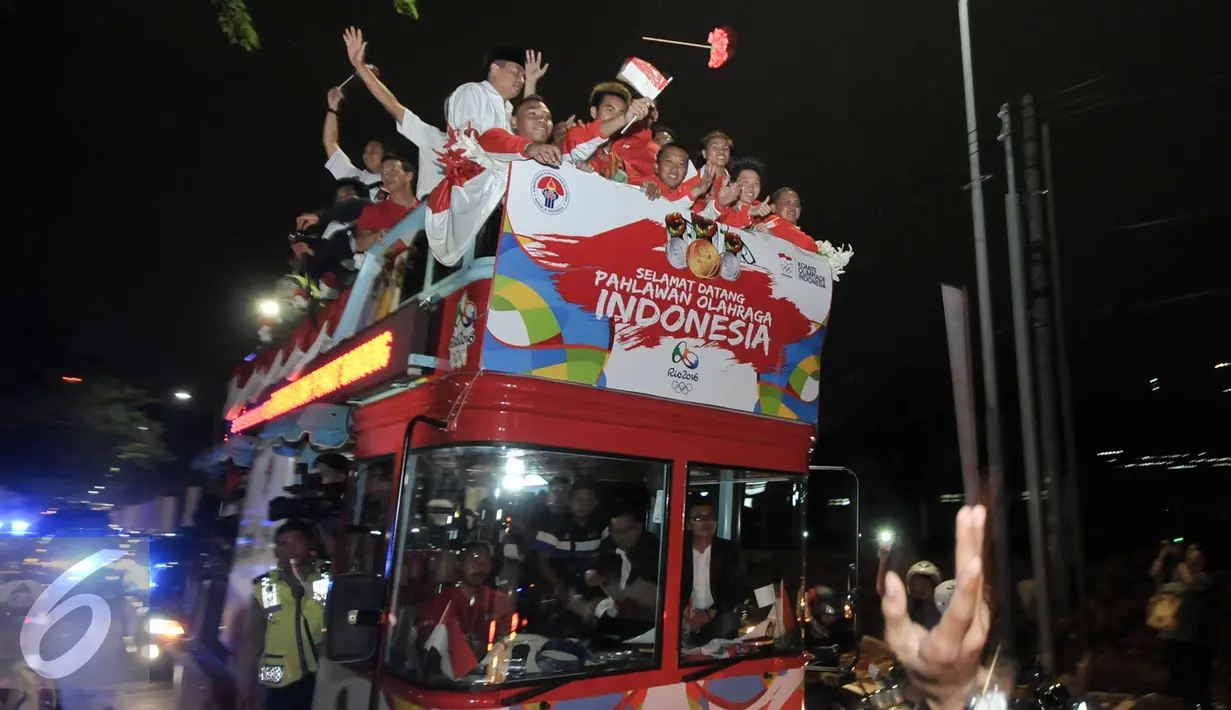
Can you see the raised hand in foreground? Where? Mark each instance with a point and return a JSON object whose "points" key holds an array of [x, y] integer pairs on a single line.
{"points": [[944, 663]]}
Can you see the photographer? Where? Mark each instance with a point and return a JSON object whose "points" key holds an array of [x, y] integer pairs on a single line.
{"points": [[323, 246], [332, 470], [1184, 610], [319, 500]]}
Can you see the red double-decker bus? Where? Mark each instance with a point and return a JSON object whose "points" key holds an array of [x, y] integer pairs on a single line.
{"points": [[579, 463]]}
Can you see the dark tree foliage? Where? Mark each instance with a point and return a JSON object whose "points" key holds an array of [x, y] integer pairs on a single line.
{"points": [[236, 23], [91, 428]]}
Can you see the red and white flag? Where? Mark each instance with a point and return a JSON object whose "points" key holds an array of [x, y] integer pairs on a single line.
{"points": [[784, 613], [456, 658], [644, 77]]}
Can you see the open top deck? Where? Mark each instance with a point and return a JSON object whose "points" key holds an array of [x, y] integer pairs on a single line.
{"points": [[591, 284]]}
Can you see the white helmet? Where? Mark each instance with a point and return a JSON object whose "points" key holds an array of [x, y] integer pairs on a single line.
{"points": [[925, 568], [944, 594]]}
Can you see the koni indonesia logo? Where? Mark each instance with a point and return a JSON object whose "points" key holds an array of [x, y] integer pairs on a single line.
{"points": [[549, 192], [683, 380]]}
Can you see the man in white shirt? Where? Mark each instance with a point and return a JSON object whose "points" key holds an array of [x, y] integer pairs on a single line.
{"points": [[712, 590], [455, 214], [338, 163]]}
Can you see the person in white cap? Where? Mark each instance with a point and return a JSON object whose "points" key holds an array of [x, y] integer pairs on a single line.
{"points": [[921, 582]]}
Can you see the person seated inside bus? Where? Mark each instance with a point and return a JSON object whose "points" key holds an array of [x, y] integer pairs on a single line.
{"points": [[568, 545], [540, 513], [481, 613], [713, 590], [626, 571]]}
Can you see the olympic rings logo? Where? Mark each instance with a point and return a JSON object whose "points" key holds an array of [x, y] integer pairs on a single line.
{"points": [[681, 387], [467, 313], [684, 356], [45, 613]]}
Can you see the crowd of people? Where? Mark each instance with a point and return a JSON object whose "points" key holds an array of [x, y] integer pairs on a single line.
{"points": [[454, 192]]}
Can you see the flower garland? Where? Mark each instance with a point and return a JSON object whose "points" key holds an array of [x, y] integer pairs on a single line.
{"points": [[838, 257]]}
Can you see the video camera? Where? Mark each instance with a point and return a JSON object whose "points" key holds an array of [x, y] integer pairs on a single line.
{"points": [[311, 500]]}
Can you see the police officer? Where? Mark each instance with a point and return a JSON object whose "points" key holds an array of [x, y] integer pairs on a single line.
{"points": [[285, 623]]}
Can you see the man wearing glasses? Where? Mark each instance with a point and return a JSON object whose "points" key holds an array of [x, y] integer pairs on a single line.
{"points": [[713, 589]]}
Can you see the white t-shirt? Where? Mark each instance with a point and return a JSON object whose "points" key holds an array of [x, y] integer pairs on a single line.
{"points": [[626, 567], [702, 595], [333, 228], [340, 166]]}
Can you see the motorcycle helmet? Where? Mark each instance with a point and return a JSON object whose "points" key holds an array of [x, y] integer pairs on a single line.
{"points": [[944, 594], [822, 604], [925, 568]]}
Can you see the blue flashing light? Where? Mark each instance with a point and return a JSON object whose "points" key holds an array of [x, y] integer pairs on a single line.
{"points": [[19, 527]]}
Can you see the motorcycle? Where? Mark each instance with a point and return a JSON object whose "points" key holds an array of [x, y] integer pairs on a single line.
{"points": [[844, 671], [848, 672]]}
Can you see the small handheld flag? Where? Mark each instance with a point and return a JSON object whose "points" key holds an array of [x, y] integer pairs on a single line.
{"points": [[645, 78]]}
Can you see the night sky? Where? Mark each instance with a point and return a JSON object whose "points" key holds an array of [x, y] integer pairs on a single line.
{"points": [[155, 171]]}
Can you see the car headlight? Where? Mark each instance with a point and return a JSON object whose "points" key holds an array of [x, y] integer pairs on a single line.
{"points": [[158, 626]]}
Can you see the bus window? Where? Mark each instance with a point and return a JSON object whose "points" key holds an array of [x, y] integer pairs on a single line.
{"points": [[743, 564], [367, 541], [516, 564]]}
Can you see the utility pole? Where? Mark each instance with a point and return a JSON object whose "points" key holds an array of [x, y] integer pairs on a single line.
{"points": [[991, 389], [1040, 309], [1072, 477], [1025, 392]]}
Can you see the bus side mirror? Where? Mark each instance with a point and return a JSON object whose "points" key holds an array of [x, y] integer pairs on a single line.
{"points": [[353, 617]]}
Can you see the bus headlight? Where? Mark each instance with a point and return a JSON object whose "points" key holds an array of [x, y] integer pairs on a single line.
{"points": [[165, 628]]}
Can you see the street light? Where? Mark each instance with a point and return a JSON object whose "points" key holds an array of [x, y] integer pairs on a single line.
{"points": [[183, 396], [267, 307]]}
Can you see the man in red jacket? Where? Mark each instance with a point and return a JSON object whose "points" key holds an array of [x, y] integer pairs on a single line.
{"points": [[610, 150], [668, 181]]}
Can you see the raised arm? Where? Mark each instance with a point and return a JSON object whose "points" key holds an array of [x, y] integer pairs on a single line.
{"points": [[329, 136], [535, 69], [1160, 563], [882, 567], [356, 50], [582, 140]]}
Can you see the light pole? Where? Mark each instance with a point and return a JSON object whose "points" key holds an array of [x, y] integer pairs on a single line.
{"points": [[182, 396], [991, 391]]}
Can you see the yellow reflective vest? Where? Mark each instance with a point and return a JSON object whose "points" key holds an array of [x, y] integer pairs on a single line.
{"points": [[293, 624]]}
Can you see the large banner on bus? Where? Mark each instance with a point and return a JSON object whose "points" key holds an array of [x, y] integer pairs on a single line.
{"points": [[597, 285]]}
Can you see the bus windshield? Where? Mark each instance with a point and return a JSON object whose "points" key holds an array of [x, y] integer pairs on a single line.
{"points": [[744, 561], [516, 564]]}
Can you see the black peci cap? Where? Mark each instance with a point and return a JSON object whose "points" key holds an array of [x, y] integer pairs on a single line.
{"points": [[505, 54]]}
